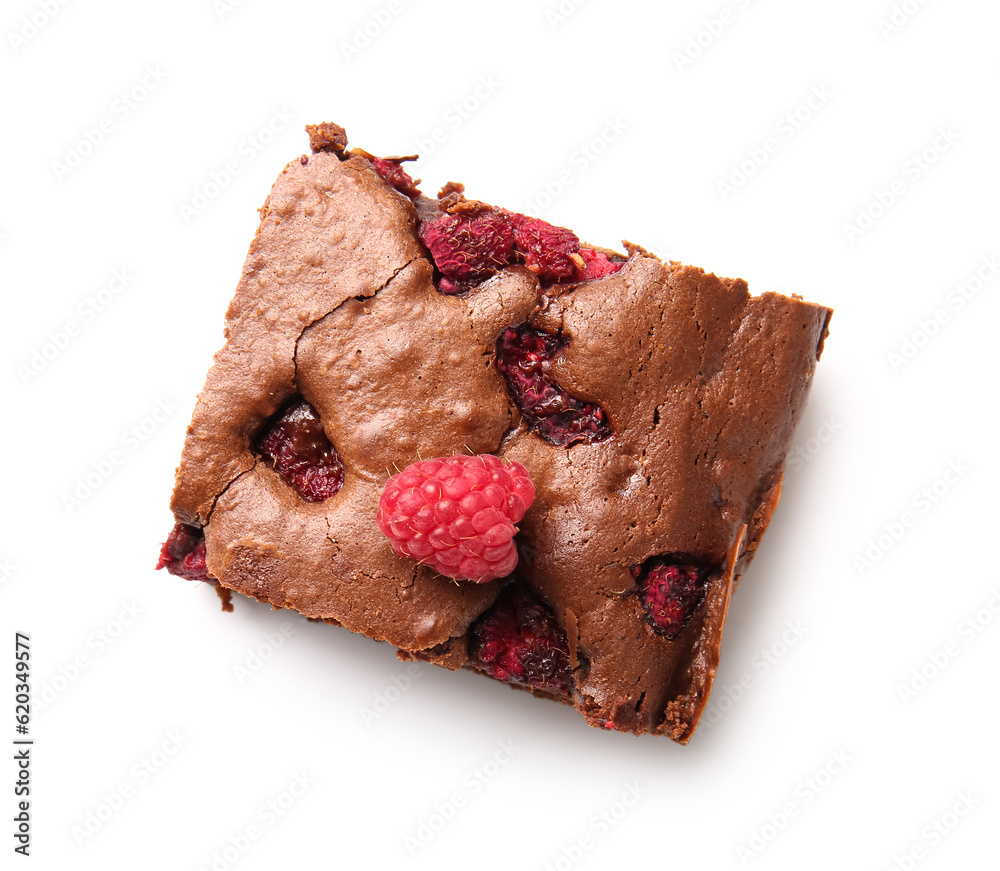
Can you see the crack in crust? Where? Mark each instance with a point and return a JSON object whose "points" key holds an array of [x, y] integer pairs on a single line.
{"points": [[215, 501], [322, 317]]}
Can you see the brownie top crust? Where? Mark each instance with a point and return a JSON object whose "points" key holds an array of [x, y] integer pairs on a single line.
{"points": [[340, 303]]}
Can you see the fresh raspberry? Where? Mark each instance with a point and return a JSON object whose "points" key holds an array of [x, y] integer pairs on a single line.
{"points": [[469, 247], [457, 514], [670, 592], [391, 169], [297, 446], [183, 553], [518, 641], [551, 252], [596, 265], [523, 355]]}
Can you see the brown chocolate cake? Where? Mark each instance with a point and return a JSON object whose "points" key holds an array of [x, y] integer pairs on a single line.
{"points": [[641, 412]]}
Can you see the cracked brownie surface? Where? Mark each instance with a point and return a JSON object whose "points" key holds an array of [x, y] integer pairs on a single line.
{"points": [[651, 403]]}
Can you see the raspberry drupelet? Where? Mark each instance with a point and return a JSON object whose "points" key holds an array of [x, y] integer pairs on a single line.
{"points": [[457, 514]]}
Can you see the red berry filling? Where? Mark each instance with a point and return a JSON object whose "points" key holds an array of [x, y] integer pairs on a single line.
{"points": [[183, 553], [597, 264], [523, 355], [469, 248], [471, 241], [670, 589], [391, 169], [518, 641], [457, 514], [296, 445], [551, 252]]}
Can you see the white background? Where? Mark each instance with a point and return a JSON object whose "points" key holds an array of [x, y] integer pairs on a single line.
{"points": [[823, 746]]}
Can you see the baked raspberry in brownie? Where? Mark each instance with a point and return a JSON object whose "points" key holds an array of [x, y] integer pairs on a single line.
{"points": [[620, 426]]}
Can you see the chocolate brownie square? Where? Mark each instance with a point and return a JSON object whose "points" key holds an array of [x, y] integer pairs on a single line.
{"points": [[459, 430]]}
